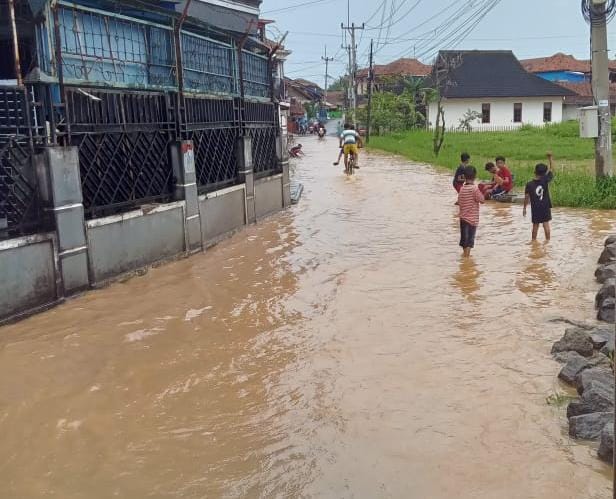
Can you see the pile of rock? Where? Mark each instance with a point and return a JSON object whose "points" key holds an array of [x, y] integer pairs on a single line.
{"points": [[606, 275], [586, 352]]}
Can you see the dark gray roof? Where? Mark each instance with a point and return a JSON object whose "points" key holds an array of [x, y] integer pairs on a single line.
{"points": [[489, 73]]}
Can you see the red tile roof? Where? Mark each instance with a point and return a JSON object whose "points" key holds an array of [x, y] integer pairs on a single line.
{"points": [[560, 62], [583, 92], [556, 62], [400, 67]]}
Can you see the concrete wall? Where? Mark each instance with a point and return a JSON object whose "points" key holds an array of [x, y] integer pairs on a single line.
{"points": [[501, 111], [571, 112], [222, 212], [126, 242], [29, 273], [268, 195]]}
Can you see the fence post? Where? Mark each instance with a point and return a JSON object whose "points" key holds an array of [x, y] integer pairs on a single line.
{"points": [[183, 161], [282, 155], [60, 186], [246, 175]]}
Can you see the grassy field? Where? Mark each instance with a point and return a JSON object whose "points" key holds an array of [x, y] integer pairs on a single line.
{"points": [[574, 184]]}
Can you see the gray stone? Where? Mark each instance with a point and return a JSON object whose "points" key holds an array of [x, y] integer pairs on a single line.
{"points": [[606, 447], [597, 398], [608, 349], [610, 240], [601, 336], [589, 426], [608, 254], [574, 340], [606, 311], [563, 357], [588, 378], [574, 366], [605, 272], [607, 291]]}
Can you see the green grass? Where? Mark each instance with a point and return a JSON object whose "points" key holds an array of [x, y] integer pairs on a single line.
{"points": [[574, 184]]}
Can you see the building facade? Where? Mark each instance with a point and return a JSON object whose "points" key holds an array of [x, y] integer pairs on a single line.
{"points": [[495, 88], [149, 118]]}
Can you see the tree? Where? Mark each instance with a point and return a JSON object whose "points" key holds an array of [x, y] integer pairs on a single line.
{"points": [[443, 77], [338, 85], [311, 109], [465, 123], [391, 112]]}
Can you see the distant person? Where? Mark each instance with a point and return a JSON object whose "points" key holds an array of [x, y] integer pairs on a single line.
{"points": [[502, 179], [537, 193], [469, 199], [458, 178]]}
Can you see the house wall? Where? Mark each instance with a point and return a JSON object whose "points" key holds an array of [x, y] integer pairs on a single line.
{"points": [[571, 112], [501, 111]]}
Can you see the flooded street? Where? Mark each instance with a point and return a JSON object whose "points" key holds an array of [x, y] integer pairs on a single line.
{"points": [[341, 349]]}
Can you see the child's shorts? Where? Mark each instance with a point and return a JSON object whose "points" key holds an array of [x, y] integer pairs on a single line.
{"points": [[467, 234]]}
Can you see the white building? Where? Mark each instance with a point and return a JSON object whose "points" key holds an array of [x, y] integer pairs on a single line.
{"points": [[495, 86]]}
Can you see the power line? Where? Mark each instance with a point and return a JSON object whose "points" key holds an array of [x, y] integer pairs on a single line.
{"points": [[292, 7]]}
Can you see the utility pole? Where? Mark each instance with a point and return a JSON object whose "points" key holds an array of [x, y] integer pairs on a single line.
{"points": [[353, 66], [370, 81], [327, 61], [601, 87]]}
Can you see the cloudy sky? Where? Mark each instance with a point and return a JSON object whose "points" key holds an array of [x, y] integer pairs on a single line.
{"points": [[531, 28]]}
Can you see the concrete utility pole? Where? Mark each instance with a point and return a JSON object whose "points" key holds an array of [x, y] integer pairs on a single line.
{"points": [[601, 87], [353, 66], [327, 61], [370, 82]]}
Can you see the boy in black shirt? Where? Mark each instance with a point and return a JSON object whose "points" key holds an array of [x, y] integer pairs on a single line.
{"points": [[458, 177], [538, 195]]}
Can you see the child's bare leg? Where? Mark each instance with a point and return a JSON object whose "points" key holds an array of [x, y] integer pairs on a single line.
{"points": [[339, 158], [547, 230], [467, 252], [535, 231]]}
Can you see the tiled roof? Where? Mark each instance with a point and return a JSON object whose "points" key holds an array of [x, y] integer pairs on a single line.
{"points": [[583, 93], [559, 62], [492, 73], [400, 67], [306, 83], [556, 62]]}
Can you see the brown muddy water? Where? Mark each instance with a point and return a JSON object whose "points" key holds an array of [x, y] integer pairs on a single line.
{"points": [[341, 349]]}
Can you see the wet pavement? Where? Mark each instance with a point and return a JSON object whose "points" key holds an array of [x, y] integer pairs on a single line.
{"points": [[340, 349]]}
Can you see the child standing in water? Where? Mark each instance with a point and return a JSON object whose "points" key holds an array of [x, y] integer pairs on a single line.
{"points": [[538, 196], [469, 199]]}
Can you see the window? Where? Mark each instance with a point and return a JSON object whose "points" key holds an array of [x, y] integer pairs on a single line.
{"points": [[547, 112], [485, 113], [517, 112]]}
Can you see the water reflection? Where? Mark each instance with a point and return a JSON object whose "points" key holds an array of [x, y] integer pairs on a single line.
{"points": [[536, 276], [466, 279]]}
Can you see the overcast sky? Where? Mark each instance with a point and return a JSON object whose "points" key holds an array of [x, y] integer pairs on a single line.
{"points": [[531, 28]]}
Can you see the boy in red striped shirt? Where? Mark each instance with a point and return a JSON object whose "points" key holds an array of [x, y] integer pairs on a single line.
{"points": [[469, 199]]}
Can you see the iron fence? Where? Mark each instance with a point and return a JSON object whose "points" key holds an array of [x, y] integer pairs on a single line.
{"points": [[261, 126], [213, 127], [22, 126], [123, 140]]}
